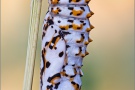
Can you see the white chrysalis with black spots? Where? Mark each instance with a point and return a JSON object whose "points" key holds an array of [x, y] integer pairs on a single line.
{"points": [[65, 37]]}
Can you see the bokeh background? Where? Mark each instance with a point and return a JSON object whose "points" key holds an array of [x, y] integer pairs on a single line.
{"points": [[110, 64]]}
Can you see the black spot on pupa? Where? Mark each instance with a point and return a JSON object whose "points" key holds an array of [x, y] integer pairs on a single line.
{"points": [[82, 8], [61, 54], [84, 24], [70, 8], [49, 87], [63, 66], [50, 22], [50, 47], [55, 31], [48, 64], [51, 26], [61, 34], [59, 21], [55, 48], [70, 26], [81, 21], [46, 43], [70, 21], [54, 76], [59, 10], [70, 0], [66, 33], [73, 65], [71, 13], [56, 85], [82, 36], [67, 46]]}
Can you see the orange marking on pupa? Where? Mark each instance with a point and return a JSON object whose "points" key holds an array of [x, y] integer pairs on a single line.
{"points": [[90, 40], [77, 12], [54, 1], [86, 53], [53, 80], [75, 27], [87, 1], [92, 13], [58, 38], [86, 43], [56, 11], [91, 26], [66, 27], [79, 41], [88, 15], [88, 29], [75, 1]]}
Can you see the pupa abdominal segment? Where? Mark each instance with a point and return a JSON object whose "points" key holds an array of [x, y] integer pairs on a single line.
{"points": [[65, 36]]}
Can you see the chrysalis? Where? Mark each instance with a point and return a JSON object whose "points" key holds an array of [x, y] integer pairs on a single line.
{"points": [[65, 37]]}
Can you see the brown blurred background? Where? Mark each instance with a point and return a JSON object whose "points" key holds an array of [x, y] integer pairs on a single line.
{"points": [[110, 64]]}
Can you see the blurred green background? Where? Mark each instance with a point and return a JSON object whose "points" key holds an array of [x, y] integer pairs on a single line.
{"points": [[110, 64]]}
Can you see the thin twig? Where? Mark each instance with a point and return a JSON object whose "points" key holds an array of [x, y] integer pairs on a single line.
{"points": [[32, 43]]}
